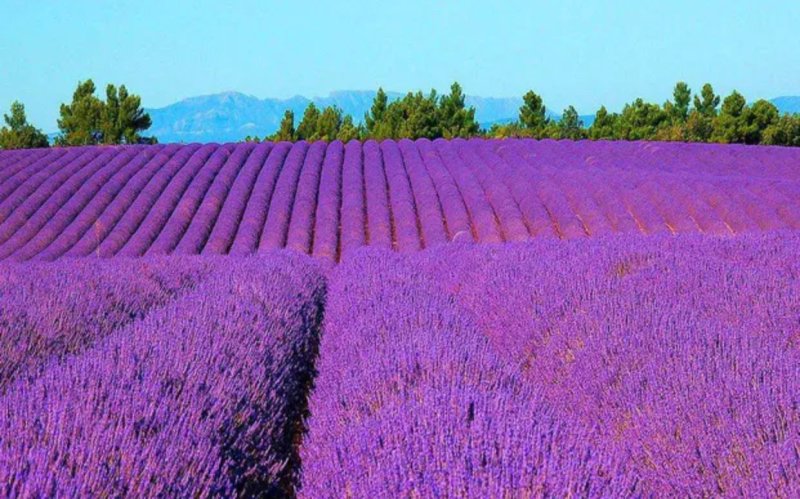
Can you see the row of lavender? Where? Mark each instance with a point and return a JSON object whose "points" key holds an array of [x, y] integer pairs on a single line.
{"points": [[155, 377], [628, 366], [329, 199], [618, 367]]}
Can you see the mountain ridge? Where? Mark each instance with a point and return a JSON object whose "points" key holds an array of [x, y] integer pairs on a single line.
{"points": [[231, 116]]}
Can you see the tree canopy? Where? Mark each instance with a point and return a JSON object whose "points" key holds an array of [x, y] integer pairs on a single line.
{"points": [[18, 133], [89, 120]]}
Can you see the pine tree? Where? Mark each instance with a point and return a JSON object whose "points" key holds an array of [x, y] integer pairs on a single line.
{"points": [[348, 130], [455, 120], [307, 129], [604, 125], [328, 124], [375, 117], [88, 120], [707, 105], [286, 130], [570, 125], [532, 113], [682, 96], [18, 133]]}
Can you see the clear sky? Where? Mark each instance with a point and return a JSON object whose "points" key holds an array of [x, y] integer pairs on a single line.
{"points": [[584, 53]]}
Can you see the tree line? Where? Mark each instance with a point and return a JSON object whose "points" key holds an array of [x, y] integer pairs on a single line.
{"points": [[86, 120], [688, 117]]}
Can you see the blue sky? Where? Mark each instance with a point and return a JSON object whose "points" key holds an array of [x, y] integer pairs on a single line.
{"points": [[584, 53]]}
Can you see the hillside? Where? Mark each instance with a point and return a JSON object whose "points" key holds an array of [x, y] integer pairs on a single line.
{"points": [[590, 319], [329, 199]]}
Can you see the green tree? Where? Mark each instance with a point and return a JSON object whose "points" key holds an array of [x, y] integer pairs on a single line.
{"points": [[640, 120], [532, 113], [123, 117], [307, 128], [708, 102], [699, 127], [348, 130], [417, 116], [570, 126], [604, 125], [784, 132], [89, 120], [375, 117], [455, 119], [81, 121], [681, 98], [757, 118], [328, 124], [286, 129], [729, 125], [18, 133]]}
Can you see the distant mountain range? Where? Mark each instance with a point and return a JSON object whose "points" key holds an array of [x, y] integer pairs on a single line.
{"points": [[231, 116], [787, 104]]}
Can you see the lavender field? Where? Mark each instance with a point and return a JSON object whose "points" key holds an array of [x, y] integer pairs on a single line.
{"points": [[326, 199], [466, 318]]}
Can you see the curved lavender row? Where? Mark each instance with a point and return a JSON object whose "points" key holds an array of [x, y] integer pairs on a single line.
{"points": [[52, 311], [407, 195], [230, 216], [22, 164], [508, 214], [252, 224], [380, 228], [34, 190], [684, 208], [569, 193], [787, 208], [202, 397], [40, 207], [204, 218], [700, 396], [110, 177], [403, 209], [150, 222], [607, 196], [354, 210], [487, 226], [123, 217], [535, 215], [10, 158], [637, 201], [565, 223], [454, 208], [327, 220], [580, 194], [94, 215], [279, 212], [432, 220], [735, 219], [300, 234], [411, 401], [184, 211], [765, 219]]}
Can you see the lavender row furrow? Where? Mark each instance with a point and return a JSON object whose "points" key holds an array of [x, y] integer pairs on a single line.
{"points": [[252, 223], [201, 397], [96, 214], [279, 213], [327, 220], [205, 216], [301, 227], [124, 216], [149, 221]]}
